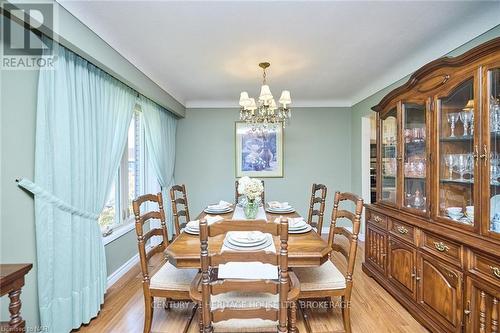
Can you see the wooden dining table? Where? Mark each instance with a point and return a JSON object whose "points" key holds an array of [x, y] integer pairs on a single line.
{"points": [[304, 250]]}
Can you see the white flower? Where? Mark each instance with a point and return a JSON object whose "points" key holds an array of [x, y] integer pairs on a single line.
{"points": [[250, 187]]}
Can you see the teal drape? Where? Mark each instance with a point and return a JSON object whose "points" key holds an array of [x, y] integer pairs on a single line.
{"points": [[83, 116], [160, 130]]}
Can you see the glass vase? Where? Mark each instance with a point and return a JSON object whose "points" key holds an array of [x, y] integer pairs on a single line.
{"points": [[251, 209]]}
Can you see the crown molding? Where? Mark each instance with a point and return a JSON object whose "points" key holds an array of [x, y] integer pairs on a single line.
{"points": [[223, 104]]}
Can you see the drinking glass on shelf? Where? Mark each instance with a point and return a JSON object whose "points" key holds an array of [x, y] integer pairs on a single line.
{"points": [[472, 123], [461, 165], [449, 160], [465, 119], [470, 166], [452, 119], [420, 168], [407, 135]]}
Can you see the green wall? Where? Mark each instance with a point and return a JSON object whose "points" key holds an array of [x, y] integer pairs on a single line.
{"points": [[363, 108], [316, 149]]}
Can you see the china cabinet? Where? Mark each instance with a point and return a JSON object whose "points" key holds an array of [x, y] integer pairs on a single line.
{"points": [[433, 234]]}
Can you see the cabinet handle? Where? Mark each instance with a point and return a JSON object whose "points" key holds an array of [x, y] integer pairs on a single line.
{"points": [[441, 247], [414, 273], [484, 155], [475, 154], [399, 158], [495, 271], [402, 230], [467, 311]]}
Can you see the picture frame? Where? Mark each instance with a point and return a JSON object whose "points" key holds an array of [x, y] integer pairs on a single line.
{"points": [[258, 153]]}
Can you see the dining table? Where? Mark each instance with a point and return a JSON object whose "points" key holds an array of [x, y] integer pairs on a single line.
{"points": [[304, 250]]}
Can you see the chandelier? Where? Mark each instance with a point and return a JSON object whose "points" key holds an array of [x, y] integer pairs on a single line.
{"points": [[265, 114]]}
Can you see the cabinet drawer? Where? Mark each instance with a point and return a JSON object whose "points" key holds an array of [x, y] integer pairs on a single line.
{"points": [[402, 230], [443, 248], [377, 219], [485, 266]]}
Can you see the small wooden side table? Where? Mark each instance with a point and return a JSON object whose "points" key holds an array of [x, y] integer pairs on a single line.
{"points": [[11, 282]]}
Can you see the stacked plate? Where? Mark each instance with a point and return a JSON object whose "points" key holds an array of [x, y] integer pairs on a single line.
{"points": [[193, 227], [247, 240], [279, 208], [220, 208], [298, 226]]}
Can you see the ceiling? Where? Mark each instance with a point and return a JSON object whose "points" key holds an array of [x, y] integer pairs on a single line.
{"points": [[325, 53]]}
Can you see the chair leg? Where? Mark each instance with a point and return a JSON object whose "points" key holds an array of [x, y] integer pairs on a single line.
{"points": [[200, 318], [293, 318], [167, 303], [148, 313], [346, 314]]}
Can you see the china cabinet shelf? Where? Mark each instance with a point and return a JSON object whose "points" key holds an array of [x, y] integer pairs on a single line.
{"points": [[422, 256], [457, 181], [457, 139]]}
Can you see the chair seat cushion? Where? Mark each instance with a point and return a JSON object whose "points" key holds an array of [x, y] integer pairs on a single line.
{"points": [[172, 278], [242, 300], [325, 277], [245, 325]]}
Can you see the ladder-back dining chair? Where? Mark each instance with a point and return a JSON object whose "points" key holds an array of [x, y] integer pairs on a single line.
{"points": [[228, 305], [327, 280], [237, 195], [168, 282], [317, 207], [180, 208]]}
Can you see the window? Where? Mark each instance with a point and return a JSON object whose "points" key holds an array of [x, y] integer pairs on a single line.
{"points": [[132, 180]]}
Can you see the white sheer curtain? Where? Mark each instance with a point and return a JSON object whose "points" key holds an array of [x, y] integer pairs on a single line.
{"points": [[83, 116], [160, 127]]}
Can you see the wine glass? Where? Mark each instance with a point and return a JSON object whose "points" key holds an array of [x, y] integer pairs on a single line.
{"points": [[449, 160], [461, 165], [452, 119], [465, 119]]}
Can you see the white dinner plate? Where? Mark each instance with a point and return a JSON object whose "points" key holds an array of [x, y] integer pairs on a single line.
{"points": [[242, 237], [302, 231], [272, 210], [218, 211], [245, 244], [191, 232], [264, 245]]}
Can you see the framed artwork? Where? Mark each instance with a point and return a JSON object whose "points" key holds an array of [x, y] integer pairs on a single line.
{"points": [[258, 154]]}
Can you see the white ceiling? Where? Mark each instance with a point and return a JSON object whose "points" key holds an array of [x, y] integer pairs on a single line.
{"points": [[326, 53]]}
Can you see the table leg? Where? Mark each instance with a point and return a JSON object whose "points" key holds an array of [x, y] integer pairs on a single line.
{"points": [[16, 321]]}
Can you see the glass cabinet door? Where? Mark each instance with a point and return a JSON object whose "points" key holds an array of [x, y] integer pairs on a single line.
{"points": [[492, 162], [388, 154], [457, 154], [414, 156]]}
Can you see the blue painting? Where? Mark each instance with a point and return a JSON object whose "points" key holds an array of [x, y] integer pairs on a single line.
{"points": [[259, 153]]}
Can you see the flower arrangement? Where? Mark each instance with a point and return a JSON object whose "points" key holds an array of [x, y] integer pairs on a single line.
{"points": [[250, 187]]}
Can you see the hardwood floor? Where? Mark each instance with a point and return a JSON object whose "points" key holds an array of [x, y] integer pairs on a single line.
{"points": [[373, 309]]}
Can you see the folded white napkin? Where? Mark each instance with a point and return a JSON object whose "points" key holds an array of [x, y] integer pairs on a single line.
{"points": [[248, 271], [292, 221], [221, 205], [210, 219], [246, 235], [277, 204]]}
